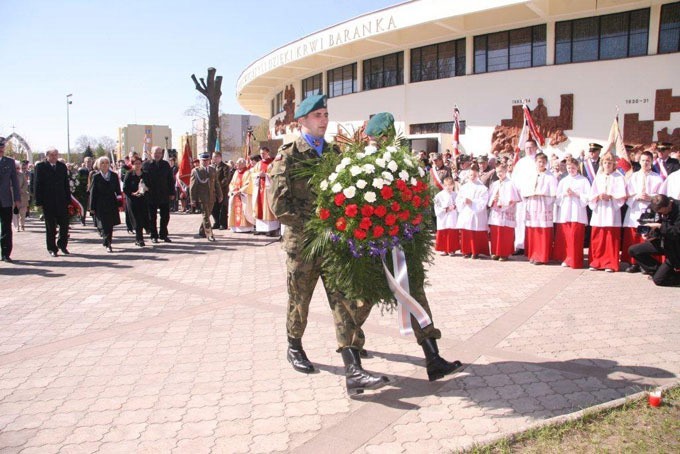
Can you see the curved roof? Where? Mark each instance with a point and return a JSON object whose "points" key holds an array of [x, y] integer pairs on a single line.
{"points": [[410, 24]]}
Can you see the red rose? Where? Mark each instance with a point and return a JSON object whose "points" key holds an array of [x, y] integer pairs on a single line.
{"points": [[406, 195], [417, 220], [390, 219], [341, 224], [404, 215], [395, 207], [386, 192], [359, 234], [380, 211], [378, 231], [340, 198], [417, 201], [394, 231], [365, 223], [426, 202], [351, 210], [401, 185], [367, 210], [324, 214], [421, 186]]}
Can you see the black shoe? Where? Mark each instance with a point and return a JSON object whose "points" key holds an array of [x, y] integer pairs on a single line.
{"points": [[53, 253], [154, 240], [518, 252], [166, 240], [297, 357], [140, 243], [5, 258], [363, 353], [109, 249], [357, 380], [437, 367], [211, 238], [633, 269], [215, 226], [64, 251]]}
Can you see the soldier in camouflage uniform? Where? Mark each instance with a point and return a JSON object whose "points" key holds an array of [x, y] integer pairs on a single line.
{"points": [[292, 201]]}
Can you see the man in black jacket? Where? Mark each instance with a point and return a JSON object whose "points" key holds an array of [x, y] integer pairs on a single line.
{"points": [[664, 239], [53, 194], [161, 185]]}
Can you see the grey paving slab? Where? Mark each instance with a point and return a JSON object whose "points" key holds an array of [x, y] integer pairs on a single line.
{"points": [[181, 348]]}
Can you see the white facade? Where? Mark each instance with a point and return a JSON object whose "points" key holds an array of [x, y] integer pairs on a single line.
{"points": [[598, 88]]}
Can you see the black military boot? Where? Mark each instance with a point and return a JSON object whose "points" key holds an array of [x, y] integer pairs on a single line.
{"points": [[356, 378], [297, 357], [437, 367]]}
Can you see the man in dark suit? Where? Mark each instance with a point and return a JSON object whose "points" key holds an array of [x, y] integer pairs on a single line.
{"points": [[665, 165], [161, 185], [9, 200], [53, 194]]}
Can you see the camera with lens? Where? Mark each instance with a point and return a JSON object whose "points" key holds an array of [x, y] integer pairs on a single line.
{"points": [[648, 217]]}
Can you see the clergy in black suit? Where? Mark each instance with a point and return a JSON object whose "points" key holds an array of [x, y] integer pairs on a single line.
{"points": [[53, 194]]}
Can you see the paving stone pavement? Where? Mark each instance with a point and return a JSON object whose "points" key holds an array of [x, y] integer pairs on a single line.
{"points": [[180, 348]]}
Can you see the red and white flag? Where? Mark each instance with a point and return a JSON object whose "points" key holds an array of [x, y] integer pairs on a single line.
{"points": [[616, 146], [184, 172], [456, 130], [529, 131]]}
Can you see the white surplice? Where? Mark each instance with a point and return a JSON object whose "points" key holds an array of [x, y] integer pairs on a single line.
{"points": [[503, 214], [638, 184], [445, 219], [473, 216], [572, 208], [607, 213]]}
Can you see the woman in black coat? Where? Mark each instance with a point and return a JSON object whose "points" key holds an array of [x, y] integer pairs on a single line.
{"points": [[135, 190], [104, 194]]}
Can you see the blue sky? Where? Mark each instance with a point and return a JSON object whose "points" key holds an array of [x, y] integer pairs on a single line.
{"points": [[130, 61]]}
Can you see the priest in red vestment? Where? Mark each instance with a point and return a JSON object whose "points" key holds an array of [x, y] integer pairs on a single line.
{"points": [[265, 220]]}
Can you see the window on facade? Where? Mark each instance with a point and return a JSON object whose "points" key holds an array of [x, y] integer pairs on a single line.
{"points": [[342, 81], [311, 86], [277, 103], [384, 71], [445, 127], [669, 28], [520, 48], [606, 37], [438, 61]]}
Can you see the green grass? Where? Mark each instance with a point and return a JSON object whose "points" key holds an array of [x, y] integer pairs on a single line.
{"points": [[634, 427]]}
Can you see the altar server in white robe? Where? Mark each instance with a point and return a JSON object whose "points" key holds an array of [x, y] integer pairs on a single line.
{"points": [[503, 198], [573, 192], [472, 216]]}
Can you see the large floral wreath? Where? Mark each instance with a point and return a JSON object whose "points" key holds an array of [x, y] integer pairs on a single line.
{"points": [[369, 200]]}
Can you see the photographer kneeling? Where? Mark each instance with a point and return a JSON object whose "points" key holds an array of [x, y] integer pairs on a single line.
{"points": [[662, 237]]}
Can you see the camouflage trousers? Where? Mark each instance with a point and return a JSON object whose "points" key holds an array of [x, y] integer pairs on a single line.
{"points": [[206, 226], [348, 316]]}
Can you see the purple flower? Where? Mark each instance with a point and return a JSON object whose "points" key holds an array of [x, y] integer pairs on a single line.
{"points": [[335, 237]]}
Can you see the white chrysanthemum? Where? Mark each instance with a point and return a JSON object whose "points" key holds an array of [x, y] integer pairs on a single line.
{"points": [[369, 168], [421, 172], [387, 156], [403, 175], [361, 184], [408, 162], [370, 149], [378, 183], [355, 170], [360, 155], [323, 185], [332, 177], [414, 182], [346, 161], [392, 149], [350, 192], [393, 166], [387, 177], [381, 162], [337, 187], [340, 167], [370, 197]]}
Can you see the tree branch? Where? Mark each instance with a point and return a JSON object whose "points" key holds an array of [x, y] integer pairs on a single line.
{"points": [[202, 90]]}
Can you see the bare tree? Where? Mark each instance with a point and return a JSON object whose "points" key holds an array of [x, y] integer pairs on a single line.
{"points": [[82, 142], [212, 90]]}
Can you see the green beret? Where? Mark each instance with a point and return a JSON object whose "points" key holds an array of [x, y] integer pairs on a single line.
{"points": [[309, 105], [380, 124]]}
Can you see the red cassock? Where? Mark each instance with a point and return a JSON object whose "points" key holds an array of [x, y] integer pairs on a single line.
{"points": [[605, 243], [539, 243], [568, 247], [502, 240], [474, 242], [630, 238], [447, 240]]}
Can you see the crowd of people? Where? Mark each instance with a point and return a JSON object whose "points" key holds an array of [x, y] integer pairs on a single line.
{"points": [[551, 209]]}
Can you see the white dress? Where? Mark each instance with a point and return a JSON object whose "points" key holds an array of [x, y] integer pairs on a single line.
{"points": [[638, 184], [607, 213], [507, 192], [473, 216], [445, 219], [573, 209]]}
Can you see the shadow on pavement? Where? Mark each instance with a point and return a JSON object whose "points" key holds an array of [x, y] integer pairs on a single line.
{"points": [[63, 262], [19, 271]]}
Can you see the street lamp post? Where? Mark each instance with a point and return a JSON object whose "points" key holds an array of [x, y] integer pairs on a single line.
{"points": [[68, 128]]}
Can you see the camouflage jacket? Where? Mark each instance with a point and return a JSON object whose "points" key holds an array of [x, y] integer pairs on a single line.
{"points": [[291, 198]]}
